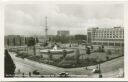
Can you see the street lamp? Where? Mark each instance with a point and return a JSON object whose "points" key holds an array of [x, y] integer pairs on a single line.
{"points": [[100, 74]]}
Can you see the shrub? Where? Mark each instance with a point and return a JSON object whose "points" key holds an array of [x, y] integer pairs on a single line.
{"points": [[22, 55], [109, 52]]}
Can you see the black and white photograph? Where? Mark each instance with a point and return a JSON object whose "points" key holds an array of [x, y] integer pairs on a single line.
{"points": [[64, 40]]}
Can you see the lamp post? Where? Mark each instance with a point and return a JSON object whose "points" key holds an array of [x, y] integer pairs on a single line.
{"points": [[99, 69], [100, 74]]}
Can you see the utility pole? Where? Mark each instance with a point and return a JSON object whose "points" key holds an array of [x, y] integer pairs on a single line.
{"points": [[100, 74], [99, 68]]}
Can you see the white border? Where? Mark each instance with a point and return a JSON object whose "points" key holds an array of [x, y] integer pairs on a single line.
{"points": [[5, 2]]}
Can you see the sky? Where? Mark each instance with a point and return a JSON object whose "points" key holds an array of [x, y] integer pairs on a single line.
{"points": [[29, 19]]}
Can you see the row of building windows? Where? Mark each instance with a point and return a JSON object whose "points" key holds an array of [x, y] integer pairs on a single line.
{"points": [[103, 36], [108, 33], [107, 29], [110, 44], [109, 39]]}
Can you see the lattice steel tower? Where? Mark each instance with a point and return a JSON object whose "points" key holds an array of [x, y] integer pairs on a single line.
{"points": [[46, 28]]}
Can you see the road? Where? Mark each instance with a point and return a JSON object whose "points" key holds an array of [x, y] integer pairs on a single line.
{"points": [[107, 68], [27, 66], [113, 68]]}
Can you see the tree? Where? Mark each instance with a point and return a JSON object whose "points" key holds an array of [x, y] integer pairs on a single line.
{"points": [[8, 41], [64, 53], [50, 39], [20, 40], [70, 45], [79, 38], [32, 42], [14, 41], [88, 51], [77, 54], [109, 52], [107, 58], [50, 55], [92, 47], [8, 65], [25, 40], [37, 40], [45, 44], [102, 48]]}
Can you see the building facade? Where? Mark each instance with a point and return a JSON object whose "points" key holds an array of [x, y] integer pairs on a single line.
{"points": [[106, 36], [63, 33], [14, 40]]}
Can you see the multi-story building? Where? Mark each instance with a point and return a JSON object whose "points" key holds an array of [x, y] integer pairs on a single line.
{"points": [[106, 36], [63, 33], [14, 40]]}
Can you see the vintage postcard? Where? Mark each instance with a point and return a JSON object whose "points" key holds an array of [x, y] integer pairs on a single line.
{"points": [[64, 40]]}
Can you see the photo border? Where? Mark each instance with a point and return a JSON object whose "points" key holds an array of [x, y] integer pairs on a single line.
{"points": [[4, 3]]}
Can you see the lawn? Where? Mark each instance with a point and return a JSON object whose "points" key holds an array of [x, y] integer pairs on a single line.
{"points": [[71, 60]]}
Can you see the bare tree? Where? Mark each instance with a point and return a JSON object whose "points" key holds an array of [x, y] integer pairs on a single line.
{"points": [[77, 54], [31, 43]]}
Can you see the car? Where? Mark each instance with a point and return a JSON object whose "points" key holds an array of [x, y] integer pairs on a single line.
{"points": [[63, 74], [36, 72], [95, 71]]}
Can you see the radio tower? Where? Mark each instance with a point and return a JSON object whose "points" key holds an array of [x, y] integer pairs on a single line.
{"points": [[46, 28]]}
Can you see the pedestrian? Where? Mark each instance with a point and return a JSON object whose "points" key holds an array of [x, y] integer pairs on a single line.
{"points": [[86, 67], [29, 74], [23, 74], [97, 67], [100, 76], [18, 70]]}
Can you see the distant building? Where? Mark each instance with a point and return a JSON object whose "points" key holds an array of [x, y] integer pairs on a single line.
{"points": [[106, 36], [63, 33], [13, 40]]}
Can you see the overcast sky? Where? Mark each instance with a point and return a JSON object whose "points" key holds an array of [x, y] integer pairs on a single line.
{"points": [[29, 19]]}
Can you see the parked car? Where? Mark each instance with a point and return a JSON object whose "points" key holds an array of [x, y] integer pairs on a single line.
{"points": [[36, 72], [95, 71], [63, 74]]}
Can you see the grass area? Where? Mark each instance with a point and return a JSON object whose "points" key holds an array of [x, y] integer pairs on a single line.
{"points": [[71, 60]]}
